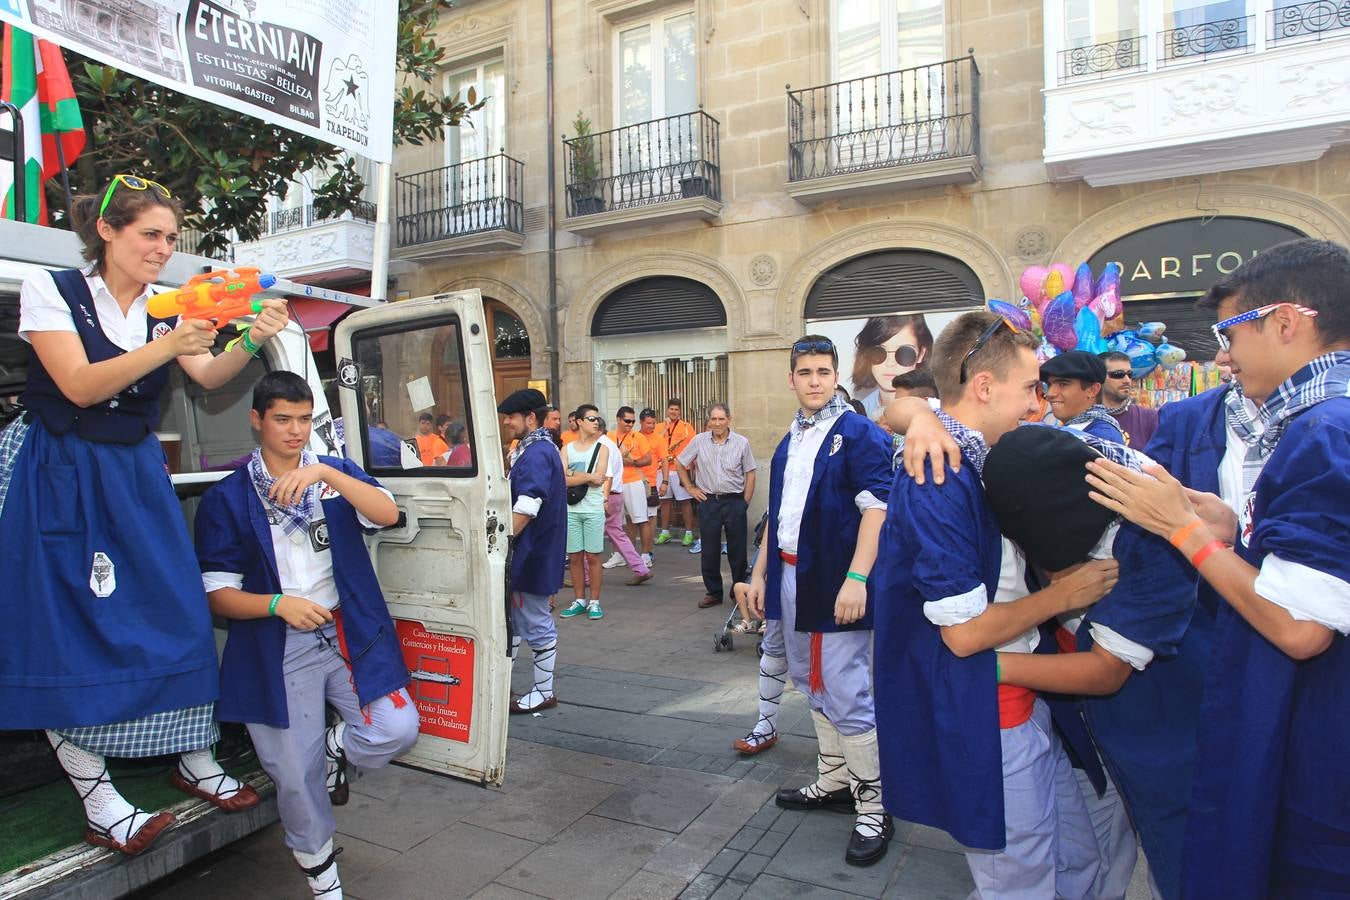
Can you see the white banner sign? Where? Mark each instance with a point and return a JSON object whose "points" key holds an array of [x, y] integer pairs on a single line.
{"points": [[324, 68]]}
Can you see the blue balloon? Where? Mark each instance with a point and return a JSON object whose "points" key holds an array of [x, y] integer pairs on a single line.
{"points": [[1088, 328]]}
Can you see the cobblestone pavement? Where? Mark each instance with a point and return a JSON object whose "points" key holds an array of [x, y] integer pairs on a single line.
{"points": [[628, 789]]}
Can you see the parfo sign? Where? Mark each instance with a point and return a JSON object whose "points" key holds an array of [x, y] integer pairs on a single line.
{"points": [[324, 68]]}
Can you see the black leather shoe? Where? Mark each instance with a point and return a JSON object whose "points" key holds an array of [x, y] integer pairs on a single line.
{"points": [[835, 801], [863, 851]]}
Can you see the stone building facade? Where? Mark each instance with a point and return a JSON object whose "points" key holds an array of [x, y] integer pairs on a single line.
{"points": [[1071, 140]]}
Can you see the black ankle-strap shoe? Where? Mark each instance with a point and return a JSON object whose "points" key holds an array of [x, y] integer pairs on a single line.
{"points": [[863, 850], [805, 799]]}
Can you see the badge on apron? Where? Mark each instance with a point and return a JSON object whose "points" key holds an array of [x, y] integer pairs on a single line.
{"points": [[318, 535], [836, 444], [102, 575]]}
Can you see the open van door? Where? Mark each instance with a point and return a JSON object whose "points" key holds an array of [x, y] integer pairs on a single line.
{"points": [[443, 566]]}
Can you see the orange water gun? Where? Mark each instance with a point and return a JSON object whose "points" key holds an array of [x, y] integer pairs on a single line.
{"points": [[219, 296]]}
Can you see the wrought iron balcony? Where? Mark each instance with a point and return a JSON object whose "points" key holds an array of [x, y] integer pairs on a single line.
{"points": [[1205, 40], [1308, 22], [479, 199], [280, 221], [644, 165], [925, 119], [1098, 61]]}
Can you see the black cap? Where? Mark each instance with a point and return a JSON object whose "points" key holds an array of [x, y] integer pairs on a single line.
{"points": [[1075, 364], [1035, 481], [525, 400]]}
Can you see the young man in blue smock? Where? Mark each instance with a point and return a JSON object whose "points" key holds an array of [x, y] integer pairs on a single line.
{"points": [[828, 485], [539, 539], [960, 751], [1073, 388], [1270, 803], [283, 559]]}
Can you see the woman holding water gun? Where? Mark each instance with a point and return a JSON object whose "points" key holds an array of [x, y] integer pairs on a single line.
{"points": [[108, 644]]}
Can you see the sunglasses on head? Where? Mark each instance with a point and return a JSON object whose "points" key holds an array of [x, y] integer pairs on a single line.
{"points": [[1220, 329], [821, 346], [905, 355], [1118, 373], [984, 339], [135, 183]]}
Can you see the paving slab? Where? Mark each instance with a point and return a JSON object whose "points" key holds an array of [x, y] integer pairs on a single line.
{"points": [[456, 862], [594, 858], [649, 886], [814, 854], [403, 820], [669, 799], [541, 807], [932, 875]]}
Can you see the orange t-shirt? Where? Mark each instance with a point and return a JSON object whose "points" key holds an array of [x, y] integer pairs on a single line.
{"points": [[569, 436], [676, 439], [658, 445], [431, 446], [637, 446]]}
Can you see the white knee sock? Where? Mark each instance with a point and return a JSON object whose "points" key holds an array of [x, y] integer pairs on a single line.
{"points": [[543, 675], [772, 673], [515, 646], [104, 807], [864, 774], [201, 769], [831, 769], [321, 870]]}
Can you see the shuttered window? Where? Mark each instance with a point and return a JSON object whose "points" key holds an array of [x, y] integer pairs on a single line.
{"points": [[1187, 327], [664, 303], [893, 282]]}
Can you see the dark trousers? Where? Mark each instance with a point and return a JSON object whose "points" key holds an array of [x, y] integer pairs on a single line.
{"points": [[714, 517]]}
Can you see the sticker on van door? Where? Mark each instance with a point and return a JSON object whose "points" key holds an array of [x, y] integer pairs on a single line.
{"points": [[441, 666]]}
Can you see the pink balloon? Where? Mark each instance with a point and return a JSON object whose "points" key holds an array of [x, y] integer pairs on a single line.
{"points": [[1032, 279]]}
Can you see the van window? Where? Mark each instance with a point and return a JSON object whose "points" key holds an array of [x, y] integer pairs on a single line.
{"points": [[209, 431], [406, 378]]}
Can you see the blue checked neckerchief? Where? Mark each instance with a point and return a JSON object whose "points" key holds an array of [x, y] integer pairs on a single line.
{"points": [[1117, 453], [1324, 378], [1248, 427], [972, 443], [290, 518], [534, 437], [1094, 413], [826, 413]]}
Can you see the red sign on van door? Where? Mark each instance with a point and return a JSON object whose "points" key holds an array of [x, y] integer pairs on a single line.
{"points": [[441, 666]]}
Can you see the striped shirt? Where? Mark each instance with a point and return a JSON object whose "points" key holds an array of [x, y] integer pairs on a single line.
{"points": [[721, 467]]}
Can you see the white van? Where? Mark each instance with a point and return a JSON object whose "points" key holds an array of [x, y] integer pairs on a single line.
{"points": [[442, 566]]}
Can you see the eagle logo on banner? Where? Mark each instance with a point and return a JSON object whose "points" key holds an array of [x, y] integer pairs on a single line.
{"points": [[346, 93]]}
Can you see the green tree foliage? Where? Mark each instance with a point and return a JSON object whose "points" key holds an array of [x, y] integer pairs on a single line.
{"points": [[221, 164]]}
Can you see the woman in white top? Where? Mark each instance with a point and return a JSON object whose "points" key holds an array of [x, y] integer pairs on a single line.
{"points": [[586, 464]]}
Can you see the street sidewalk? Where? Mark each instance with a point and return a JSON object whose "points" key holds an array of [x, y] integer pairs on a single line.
{"points": [[628, 789]]}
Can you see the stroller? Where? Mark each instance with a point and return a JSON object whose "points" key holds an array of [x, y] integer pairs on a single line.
{"points": [[723, 639]]}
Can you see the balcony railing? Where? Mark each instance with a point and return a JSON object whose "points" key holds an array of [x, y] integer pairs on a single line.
{"points": [[1098, 61], [468, 198], [644, 164], [900, 118], [1205, 40], [280, 221], [1308, 22]]}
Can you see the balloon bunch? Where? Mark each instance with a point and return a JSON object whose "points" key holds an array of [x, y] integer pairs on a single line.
{"points": [[1067, 310]]}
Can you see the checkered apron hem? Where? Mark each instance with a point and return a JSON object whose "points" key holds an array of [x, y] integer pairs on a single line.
{"points": [[158, 734], [11, 440]]}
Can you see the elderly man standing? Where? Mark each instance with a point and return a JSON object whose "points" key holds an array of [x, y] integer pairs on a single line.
{"points": [[723, 483]]}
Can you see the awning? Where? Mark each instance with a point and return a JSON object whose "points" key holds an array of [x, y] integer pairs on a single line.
{"points": [[317, 317]]}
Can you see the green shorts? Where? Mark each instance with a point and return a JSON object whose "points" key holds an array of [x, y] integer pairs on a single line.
{"points": [[585, 530]]}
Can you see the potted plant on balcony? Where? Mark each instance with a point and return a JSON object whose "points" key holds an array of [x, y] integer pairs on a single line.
{"points": [[693, 184], [584, 182]]}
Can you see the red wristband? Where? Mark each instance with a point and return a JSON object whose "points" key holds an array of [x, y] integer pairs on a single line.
{"points": [[1204, 552]]}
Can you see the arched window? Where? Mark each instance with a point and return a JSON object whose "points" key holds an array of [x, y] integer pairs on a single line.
{"points": [[662, 303], [893, 282]]}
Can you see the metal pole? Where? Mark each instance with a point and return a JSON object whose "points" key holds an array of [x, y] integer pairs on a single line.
{"points": [[554, 366], [379, 262], [19, 211]]}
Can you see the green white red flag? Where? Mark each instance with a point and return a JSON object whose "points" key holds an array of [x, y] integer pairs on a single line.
{"points": [[37, 82]]}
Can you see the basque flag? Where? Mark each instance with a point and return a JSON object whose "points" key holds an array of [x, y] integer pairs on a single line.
{"points": [[36, 81]]}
